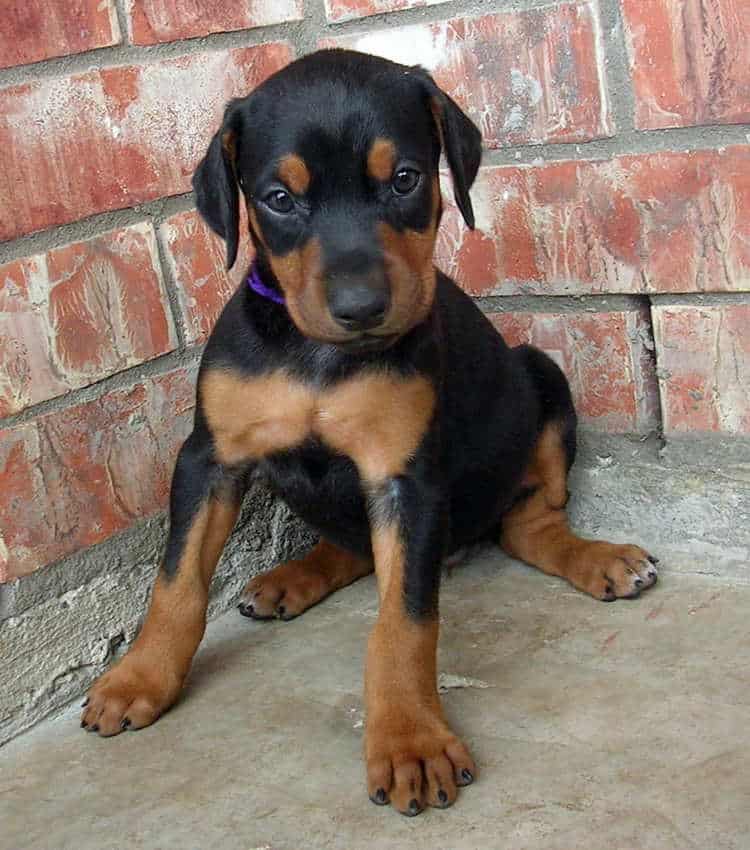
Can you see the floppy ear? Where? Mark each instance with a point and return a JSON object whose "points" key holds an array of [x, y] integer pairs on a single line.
{"points": [[461, 141], [215, 186]]}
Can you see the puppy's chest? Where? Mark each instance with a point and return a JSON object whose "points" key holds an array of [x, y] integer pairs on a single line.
{"points": [[377, 419]]}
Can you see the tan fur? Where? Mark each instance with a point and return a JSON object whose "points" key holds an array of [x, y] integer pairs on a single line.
{"points": [[408, 259], [537, 531], [253, 417], [149, 678], [376, 419], [388, 551], [300, 276], [298, 584], [381, 159], [410, 751], [379, 420], [294, 173]]}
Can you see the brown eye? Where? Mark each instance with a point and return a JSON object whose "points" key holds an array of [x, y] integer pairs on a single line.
{"points": [[279, 201], [405, 180]]}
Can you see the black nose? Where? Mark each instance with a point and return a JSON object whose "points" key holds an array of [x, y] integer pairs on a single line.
{"points": [[358, 306]]}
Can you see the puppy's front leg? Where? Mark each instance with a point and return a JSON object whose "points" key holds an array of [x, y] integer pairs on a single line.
{"points": [[412, 756], [205, 501]]}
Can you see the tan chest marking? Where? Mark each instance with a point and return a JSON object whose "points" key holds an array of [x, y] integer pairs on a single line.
{"points": [[250, 418], [378, 420]]}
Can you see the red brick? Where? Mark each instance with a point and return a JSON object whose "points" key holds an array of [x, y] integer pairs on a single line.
{"points": [[524, 76], [73, 316], [665, 222], [703, 358], [689, 61], [112, 138], [152, 21], [606, 357], [77, 476], [40, 29], [198, 260], [345, 10]]}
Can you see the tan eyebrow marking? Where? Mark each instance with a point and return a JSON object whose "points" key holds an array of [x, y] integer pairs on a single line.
{"points": [[294, 173], [381, 159]]}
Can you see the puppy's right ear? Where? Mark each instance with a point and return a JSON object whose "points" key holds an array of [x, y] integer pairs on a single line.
{"points": [[215, 186]]}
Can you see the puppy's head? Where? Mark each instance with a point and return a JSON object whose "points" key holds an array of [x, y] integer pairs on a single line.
{"points": [[337, 157]]}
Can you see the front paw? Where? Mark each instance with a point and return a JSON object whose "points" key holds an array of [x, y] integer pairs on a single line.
{"points": [[131, 695], [413, 760]]}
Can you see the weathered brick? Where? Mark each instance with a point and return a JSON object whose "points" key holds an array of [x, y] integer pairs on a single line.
{"points": [[525, 76], [40, 29], [198, 260], [152, 21], [606, 357], [345, 10], [74, 477], [689, 61], [663, 222], [703, 359], [76, 314], [111, 138]]}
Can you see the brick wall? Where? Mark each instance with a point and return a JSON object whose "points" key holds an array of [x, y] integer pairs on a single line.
{"points": [[613, 211]]}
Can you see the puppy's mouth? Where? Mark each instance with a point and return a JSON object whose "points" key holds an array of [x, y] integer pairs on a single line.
{"points": [[366, 343]]}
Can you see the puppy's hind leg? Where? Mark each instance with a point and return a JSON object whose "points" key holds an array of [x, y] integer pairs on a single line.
{"points": [[536, 529]]}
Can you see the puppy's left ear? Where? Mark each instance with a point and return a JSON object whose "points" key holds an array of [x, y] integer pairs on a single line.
{"points": [[215, 186], [461, 141]]}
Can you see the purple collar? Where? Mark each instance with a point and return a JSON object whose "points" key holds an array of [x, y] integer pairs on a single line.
{"points": [[257, 285]]}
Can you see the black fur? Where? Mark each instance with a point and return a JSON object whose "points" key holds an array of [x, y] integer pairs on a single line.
{"points": [[492, 401]]}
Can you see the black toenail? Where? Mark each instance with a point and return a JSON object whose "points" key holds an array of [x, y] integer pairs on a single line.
{"points": [[380, 798], [442, 796], [638, 582], [413, 807], [653, 560], [83, 724], [467, 776], [282, 610], [94, 728], [247, 610], [126, 721], [85, 703]]}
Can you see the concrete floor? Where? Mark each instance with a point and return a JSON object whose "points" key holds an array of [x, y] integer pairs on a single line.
{"points": [[596, 727]]}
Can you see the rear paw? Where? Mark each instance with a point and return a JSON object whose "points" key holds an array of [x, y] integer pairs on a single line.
{"points": [[610, 571], [282, 593]]}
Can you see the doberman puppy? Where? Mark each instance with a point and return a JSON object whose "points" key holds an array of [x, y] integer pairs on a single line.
{"points": [[374, 395]]}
